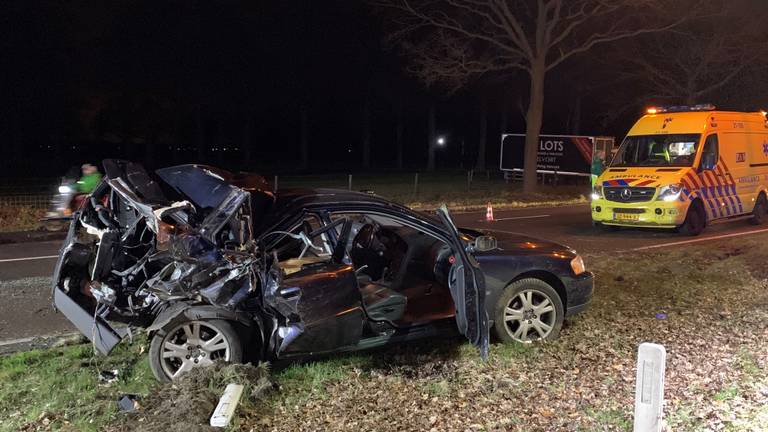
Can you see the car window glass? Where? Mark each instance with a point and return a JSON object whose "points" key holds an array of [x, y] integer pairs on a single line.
{"points": [[288, 247], [391, 252], [709, 154]]}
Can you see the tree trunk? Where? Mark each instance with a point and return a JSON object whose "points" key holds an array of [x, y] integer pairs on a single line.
{"points": [[200, 133], [533, 120], [366, 137], [431, 138], [219, 140], [149, 150], [246, 163], [575, 126], [304, 136], [483, 138], [399, 136]]}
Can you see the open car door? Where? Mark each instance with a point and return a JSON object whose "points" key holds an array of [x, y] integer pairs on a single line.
{"points": [[467, 284]]}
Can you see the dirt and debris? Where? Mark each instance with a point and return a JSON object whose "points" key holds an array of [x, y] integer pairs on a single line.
{"points": [[186, 405]]}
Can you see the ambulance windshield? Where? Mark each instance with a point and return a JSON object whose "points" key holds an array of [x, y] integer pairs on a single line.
{"points": [[677, 150]]}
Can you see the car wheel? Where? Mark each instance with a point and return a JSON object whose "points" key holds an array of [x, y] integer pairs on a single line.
{"points": [[528, 310], [183, 345], [760, 212], [695, 220]]}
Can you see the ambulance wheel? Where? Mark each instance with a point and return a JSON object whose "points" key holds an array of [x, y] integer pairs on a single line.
{"points": [[760, 212], [695, 220]]}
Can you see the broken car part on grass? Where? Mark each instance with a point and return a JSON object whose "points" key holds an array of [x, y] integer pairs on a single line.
{"points": [[215, 267]]}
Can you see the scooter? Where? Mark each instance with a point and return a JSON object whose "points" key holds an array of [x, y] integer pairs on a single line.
{"points": [[63, 204]]}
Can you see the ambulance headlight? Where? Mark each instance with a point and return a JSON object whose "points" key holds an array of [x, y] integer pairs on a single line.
{"points": [[671, 192], [597, 193]]}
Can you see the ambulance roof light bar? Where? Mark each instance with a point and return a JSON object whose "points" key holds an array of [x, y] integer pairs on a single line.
{"points": [[680, 108]]}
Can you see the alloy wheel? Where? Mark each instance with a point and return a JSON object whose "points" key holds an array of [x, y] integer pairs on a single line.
{"points": [[530, 316], [192, 344]]}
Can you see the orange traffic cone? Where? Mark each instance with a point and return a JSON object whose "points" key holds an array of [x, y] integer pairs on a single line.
{"points": [[489, 213]]}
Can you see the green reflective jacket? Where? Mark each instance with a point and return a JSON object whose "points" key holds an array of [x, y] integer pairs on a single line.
{"points": [[88, 182]]}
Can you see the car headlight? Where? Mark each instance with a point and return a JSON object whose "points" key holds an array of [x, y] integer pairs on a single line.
{"points": [[597, 192], [670, 192], [577, 265], [64, 189]]}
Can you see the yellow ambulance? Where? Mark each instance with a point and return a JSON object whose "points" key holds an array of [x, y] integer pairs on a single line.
{"points": [[684, 168]]}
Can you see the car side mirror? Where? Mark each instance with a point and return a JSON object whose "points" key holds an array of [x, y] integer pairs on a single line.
{"points": [[485, 243], [707, 162]]}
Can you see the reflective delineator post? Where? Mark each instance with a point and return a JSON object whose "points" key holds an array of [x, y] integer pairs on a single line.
{"points": [[489, 213], [225, 410], [649, 387]]}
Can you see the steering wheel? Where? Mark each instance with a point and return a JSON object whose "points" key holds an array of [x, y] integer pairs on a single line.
{"points": [[364, 238]]}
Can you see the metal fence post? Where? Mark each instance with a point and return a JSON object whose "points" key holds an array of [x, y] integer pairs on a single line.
{"points": [[349, 182], [416, 184], [649, 387], [469, 180]]}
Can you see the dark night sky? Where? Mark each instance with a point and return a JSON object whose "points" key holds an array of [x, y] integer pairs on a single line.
{"points": [[107, 77]]}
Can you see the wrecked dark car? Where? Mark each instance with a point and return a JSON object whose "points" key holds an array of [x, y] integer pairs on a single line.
{"points": [[212, 265]]}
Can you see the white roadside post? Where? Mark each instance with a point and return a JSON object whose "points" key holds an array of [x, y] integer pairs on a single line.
{"points": [[649, 387], [227, 404]]}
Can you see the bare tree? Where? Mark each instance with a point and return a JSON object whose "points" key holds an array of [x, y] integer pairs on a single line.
{"points": [[701, 58], [452, 41]]}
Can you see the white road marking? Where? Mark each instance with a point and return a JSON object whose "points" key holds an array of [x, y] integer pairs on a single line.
{"points": [[516, 217], [28, 258], [698, 240]]}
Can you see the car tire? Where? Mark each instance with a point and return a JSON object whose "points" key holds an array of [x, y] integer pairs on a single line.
{"points": [[528, 310], [188, 339], [695, 220], [760, 212]]}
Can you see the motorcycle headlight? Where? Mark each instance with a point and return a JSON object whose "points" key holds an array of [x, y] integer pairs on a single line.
{"points": [[597, 192], [670, 192], [64, 189]]}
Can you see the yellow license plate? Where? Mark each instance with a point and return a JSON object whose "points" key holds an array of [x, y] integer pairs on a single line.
{"points": [[626, 217]]}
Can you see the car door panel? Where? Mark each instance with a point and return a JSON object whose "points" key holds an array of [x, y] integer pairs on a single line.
{"points": [[467, 286], [328, 306]]}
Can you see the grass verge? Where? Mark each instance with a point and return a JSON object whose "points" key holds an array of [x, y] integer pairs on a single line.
{"points": [[20, 218], [707, 304], [59, 388]]}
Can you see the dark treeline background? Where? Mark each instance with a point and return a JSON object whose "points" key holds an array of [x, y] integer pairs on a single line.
{"points": [[299, 86]]}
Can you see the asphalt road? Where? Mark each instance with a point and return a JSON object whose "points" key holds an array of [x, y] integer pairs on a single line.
{"points": [[25, 268]]}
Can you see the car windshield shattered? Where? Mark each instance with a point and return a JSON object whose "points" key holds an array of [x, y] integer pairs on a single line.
{"points": [[677, 150], [177, 253]]}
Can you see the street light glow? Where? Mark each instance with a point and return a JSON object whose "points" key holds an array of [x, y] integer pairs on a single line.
{"points": [[441, 141]]}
